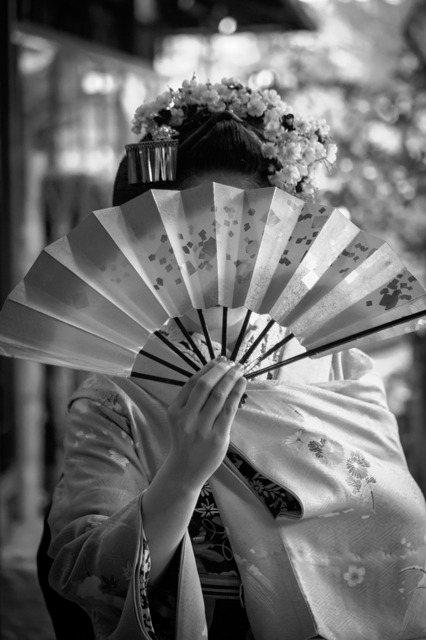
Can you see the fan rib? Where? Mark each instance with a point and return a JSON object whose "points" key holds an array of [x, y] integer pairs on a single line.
{"points": [[258, 340], [206, 333], [279, 344], [176, 350], [224, 329], [241, 335], [151, 356], [337, 343], [146, 376], [190, 340]]}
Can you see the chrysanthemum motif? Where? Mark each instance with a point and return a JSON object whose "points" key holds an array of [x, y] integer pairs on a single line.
{"points": [[258, 486], [317, 447], [354, 575], [332, 451], [295, 439], [357, 465]]}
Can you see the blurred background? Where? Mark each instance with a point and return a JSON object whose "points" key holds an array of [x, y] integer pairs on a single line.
{"points": [[72, 74]]}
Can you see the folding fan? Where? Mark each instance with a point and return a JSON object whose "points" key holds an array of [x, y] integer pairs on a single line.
{"points": [[93, 298]]}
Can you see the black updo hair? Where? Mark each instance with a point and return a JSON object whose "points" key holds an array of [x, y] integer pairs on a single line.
{"points": [[223, 142]]}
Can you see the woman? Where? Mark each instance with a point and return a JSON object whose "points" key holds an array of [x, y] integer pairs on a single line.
{"points": [[277, 509]]}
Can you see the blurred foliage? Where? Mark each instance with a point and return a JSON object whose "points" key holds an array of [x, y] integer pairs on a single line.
{"points": [[379, 124], [382, 158]]}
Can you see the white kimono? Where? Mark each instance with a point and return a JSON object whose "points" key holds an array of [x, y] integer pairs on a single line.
{"points": [[352, 567]]}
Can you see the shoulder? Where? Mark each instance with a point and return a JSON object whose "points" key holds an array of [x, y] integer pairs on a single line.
{"points": [[354, 374], [118, 417], [351, 364], [113, 393], [119, 401]]}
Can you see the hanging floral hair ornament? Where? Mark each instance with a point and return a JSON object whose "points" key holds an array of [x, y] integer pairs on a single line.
{"points": [[292, 145]]}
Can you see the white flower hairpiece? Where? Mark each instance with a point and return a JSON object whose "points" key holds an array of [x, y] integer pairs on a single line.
{"points": [[292, 145]]}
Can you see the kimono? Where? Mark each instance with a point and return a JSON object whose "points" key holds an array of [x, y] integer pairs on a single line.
{"points": [[341, 556]]}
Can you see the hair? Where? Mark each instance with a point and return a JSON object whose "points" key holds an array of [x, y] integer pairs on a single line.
{"points": [[223, 142]]}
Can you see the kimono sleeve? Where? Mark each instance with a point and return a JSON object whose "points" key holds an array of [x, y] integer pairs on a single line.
{"points": [[98, 546]]}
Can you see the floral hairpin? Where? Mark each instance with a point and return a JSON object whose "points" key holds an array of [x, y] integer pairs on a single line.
{"points": [[292, 145]]}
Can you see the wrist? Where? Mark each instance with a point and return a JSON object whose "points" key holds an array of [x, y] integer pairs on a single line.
{"points": [[180, 479]]}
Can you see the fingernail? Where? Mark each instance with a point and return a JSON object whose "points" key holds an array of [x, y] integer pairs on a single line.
{"points": [[221, 359], [239, 368], [243, 400]]}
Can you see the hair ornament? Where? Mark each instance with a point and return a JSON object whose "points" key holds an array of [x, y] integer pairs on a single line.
{"points": [[293, 145], [153, 159]]}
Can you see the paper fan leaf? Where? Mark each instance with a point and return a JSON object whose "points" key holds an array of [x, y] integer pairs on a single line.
{"points": [[189, 219], [363, 339], [271, 262], [53, 288], [256, 209], [90, 251], [376, 271], [138, 229], [229, 224], [329, 241], [362, 247], [309, 224], [93, 299], [240, 221], [147, 367], [384, 304], [29, 333], [354, 254], [306, 228]]}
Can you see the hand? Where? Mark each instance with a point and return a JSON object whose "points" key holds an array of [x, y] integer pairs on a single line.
{"points": [[200, 421]]}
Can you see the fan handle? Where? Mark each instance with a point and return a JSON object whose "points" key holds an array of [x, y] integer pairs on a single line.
{"points": [[206, 333], [176, 350], [146, 376], [151, 356], [257, 341], [241, 335], [279, 344]]}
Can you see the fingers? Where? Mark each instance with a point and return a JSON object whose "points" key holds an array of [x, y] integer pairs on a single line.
{"points": [[221, 393], [223, 423], [201, 424], [233, 402], [182, 397], [197, 390], [213, 388]]}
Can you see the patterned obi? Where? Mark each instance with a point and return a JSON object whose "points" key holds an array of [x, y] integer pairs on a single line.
{"points": [[217, 568]]}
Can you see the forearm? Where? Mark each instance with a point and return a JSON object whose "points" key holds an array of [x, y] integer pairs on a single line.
{"points": [[201, 419], [167, 507]]}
